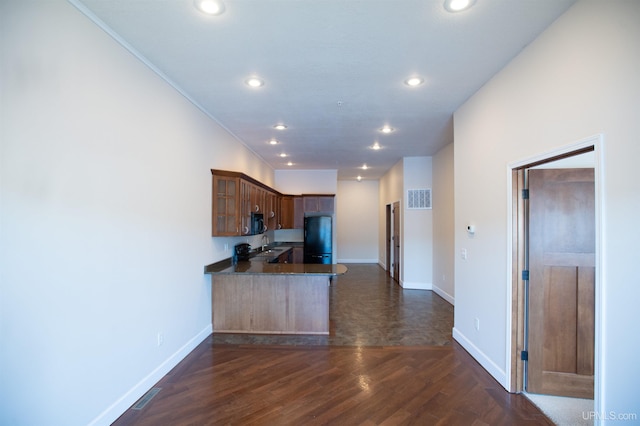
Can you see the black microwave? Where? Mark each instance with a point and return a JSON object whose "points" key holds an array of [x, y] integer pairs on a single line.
{"points": [[257, 223]]}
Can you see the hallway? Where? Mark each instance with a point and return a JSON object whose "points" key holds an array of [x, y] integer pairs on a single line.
{"points": [[389, 359]]}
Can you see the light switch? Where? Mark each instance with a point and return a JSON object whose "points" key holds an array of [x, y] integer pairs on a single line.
{"points": [[463, 254]]}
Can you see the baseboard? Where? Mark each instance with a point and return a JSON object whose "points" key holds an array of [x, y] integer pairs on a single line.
{"points": [[416, 286], [357, 260], [486, 363], [446, 296], [136, 392]]}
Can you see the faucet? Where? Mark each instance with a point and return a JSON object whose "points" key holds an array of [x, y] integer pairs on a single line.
{"points": [[264, 238]]}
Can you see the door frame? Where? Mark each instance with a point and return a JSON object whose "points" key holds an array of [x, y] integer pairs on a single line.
{"points": [[390, 257], [515, 368], [388, 239]]}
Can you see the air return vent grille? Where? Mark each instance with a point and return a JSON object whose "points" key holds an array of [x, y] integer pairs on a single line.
{"points": [[146, 398], [419, 199]]}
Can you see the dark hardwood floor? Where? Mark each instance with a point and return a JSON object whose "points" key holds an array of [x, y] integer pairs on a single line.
{"points": [[389, 360]]}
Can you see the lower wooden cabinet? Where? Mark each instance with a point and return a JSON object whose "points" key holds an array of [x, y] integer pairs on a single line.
{"points": [[291, 304]]}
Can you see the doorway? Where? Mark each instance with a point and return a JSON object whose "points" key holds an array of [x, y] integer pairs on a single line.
{"points": [[393, 240], [584, 282]]}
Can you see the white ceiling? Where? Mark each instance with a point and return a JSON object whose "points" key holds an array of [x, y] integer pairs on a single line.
{"points": [[334, 70]]}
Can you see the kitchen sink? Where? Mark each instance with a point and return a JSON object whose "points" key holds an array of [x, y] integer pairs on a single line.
{"points": [[268, 251]]}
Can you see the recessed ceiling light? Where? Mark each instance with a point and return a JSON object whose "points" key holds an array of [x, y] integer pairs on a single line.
{"points": [[210, 7], [254, 82], [414, 81], [365, 167], [387, 129], [283, 155], [280, 126], [359, 178], [458, 5], [376, 146], [289, 163], [273, 142]]}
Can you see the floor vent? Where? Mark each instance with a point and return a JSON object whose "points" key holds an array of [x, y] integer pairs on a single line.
{"points": [[146, 398]]}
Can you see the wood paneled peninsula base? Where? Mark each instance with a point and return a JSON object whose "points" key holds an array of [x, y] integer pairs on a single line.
{"points": [[259, 297]]}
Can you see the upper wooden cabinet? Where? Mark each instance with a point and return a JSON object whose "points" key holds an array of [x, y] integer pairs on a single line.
{"points": [[236, 195], [318, 203], [226, 206], [291, 212], [286, 212], [298, 213]]}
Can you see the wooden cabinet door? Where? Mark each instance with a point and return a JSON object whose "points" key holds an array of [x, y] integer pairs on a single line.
{"points": [[286, 212], [271, 211], [245, 207], [310, 204], [326, 204], [298, 213], [297, 255], [318, 203], [257, 199], [225, 206]]}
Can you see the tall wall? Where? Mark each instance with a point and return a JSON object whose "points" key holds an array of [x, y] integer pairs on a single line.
{"points": [[416, 226], [417, 230], [577, 79], [357, 217], [104, 220], [443, 224]]}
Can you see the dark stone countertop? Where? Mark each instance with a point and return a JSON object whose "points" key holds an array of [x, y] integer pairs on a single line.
{"points": [[259, 264]]}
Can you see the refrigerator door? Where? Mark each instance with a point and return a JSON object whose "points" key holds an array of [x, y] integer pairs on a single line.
{"points": [[317, 239], [318, 258]]}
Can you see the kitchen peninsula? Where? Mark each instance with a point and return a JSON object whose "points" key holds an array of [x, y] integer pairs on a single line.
{"points": [[259, 296]]}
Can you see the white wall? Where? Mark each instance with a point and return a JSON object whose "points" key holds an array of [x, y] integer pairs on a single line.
{"points": [[357, 221], [296, 182], [417, 231], [579, 78], [443, 224], [104, 221], [416, 226]]}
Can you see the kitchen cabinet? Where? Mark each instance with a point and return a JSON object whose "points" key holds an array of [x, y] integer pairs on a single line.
{"points": [[297, 255], [298, 213], [226, 206], [236, 196], [246, 206], [318, 203], [292, 212], [286, 212], [272, 211]]}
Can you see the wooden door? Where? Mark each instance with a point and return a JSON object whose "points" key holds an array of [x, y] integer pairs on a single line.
{"points": [[396, 241], [561, 282]]}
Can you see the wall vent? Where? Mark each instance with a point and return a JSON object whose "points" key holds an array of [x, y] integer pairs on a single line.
{"points": [[419, 198]]}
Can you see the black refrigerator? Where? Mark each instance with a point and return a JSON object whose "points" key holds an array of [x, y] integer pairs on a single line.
{"points": [[318, 242]]}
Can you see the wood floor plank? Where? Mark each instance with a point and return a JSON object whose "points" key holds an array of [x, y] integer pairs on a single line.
{"points": [[394, 376]]}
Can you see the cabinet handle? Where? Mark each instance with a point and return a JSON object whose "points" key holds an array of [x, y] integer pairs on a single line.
{"points": [[272, 214], [257, 208], [246, 229]]}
